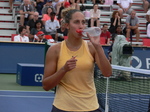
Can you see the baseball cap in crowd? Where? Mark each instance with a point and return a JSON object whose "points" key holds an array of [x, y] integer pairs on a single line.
{"points": [[66, 4], [40, 33], [49, 0]]}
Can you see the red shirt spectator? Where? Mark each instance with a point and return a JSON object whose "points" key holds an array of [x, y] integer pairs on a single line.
{"points": [[106, 34]]}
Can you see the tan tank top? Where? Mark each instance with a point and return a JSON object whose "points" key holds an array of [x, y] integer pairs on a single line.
{"points": [[76, 91]]}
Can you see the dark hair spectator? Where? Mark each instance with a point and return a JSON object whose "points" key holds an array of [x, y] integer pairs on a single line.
{"points": [[115, 21], [21, 29]]}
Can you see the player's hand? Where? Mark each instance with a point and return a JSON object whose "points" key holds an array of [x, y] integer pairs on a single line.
{"points": [[94, 40], [70, 64]]}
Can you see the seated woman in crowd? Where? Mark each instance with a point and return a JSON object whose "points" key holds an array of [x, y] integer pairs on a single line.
{"points": [[47, 16], [115, 21], [95, 16], [38, 27], [61, 32]]}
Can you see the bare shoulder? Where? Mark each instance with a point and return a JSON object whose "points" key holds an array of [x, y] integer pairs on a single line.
{"points": [[91, 48], [54, 50]]}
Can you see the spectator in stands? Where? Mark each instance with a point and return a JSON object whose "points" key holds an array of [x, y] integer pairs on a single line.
{"points": [[109, 3], [52, 25], [148, 17], [39, 6], [21, 37], [47, 16], [31, 23], [146, 4], [38, 27], [26, 12], [115, 21], [76, 4], [46, 6], [106, 34], [95, 16], [65, 5], [132, 24], [117, 32], [148, 30], [125, 6], [40, 37], [61, 32], [33, 3], [58, 4]]}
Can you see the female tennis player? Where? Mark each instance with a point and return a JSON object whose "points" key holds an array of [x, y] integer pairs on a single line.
{"points": [[69, 65]]}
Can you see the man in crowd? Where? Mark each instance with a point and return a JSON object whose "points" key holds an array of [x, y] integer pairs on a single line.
{"points": [[106, 34], [21, 37], [52, 25], [26, 12], [31, 23], [132, 24], [125, 6]]}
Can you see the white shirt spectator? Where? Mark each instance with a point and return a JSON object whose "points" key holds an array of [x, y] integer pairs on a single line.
{"points": [[148, 12], [125, 3], [95, 14], [148, 30], [52, 27], [19, 38]]}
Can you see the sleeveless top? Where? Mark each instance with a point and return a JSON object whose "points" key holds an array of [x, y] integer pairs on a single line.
{"points": [[76, 90]]}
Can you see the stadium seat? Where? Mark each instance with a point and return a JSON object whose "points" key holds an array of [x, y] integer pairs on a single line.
{"points": [[48, 37], [12, 36], [146, 42]]}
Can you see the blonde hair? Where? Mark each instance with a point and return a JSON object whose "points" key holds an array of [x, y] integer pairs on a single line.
{"points": [[67, 13]]}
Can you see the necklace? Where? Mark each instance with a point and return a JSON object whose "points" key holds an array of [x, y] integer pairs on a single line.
{"points": [[72, 48], [75, 51]]}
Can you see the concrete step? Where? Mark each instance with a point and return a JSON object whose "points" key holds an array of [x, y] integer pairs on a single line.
{"points": [[7, 25], [4, 11], [4, 4], [7, 32], [6, 18], [5, 39]]}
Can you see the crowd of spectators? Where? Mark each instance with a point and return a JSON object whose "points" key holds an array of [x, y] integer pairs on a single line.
{"points": [[45, 16]]}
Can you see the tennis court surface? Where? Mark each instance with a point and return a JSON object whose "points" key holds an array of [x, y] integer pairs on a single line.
{"points": [[25, 101]]}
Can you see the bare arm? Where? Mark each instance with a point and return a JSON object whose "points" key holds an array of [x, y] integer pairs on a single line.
{"points": [[130, 6], [51, 76], [128, 25], [30, 12], [108, 41], [119, 4], [100, 56], [135, 27], [114, 23], [147, 18], [22, 12]]}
